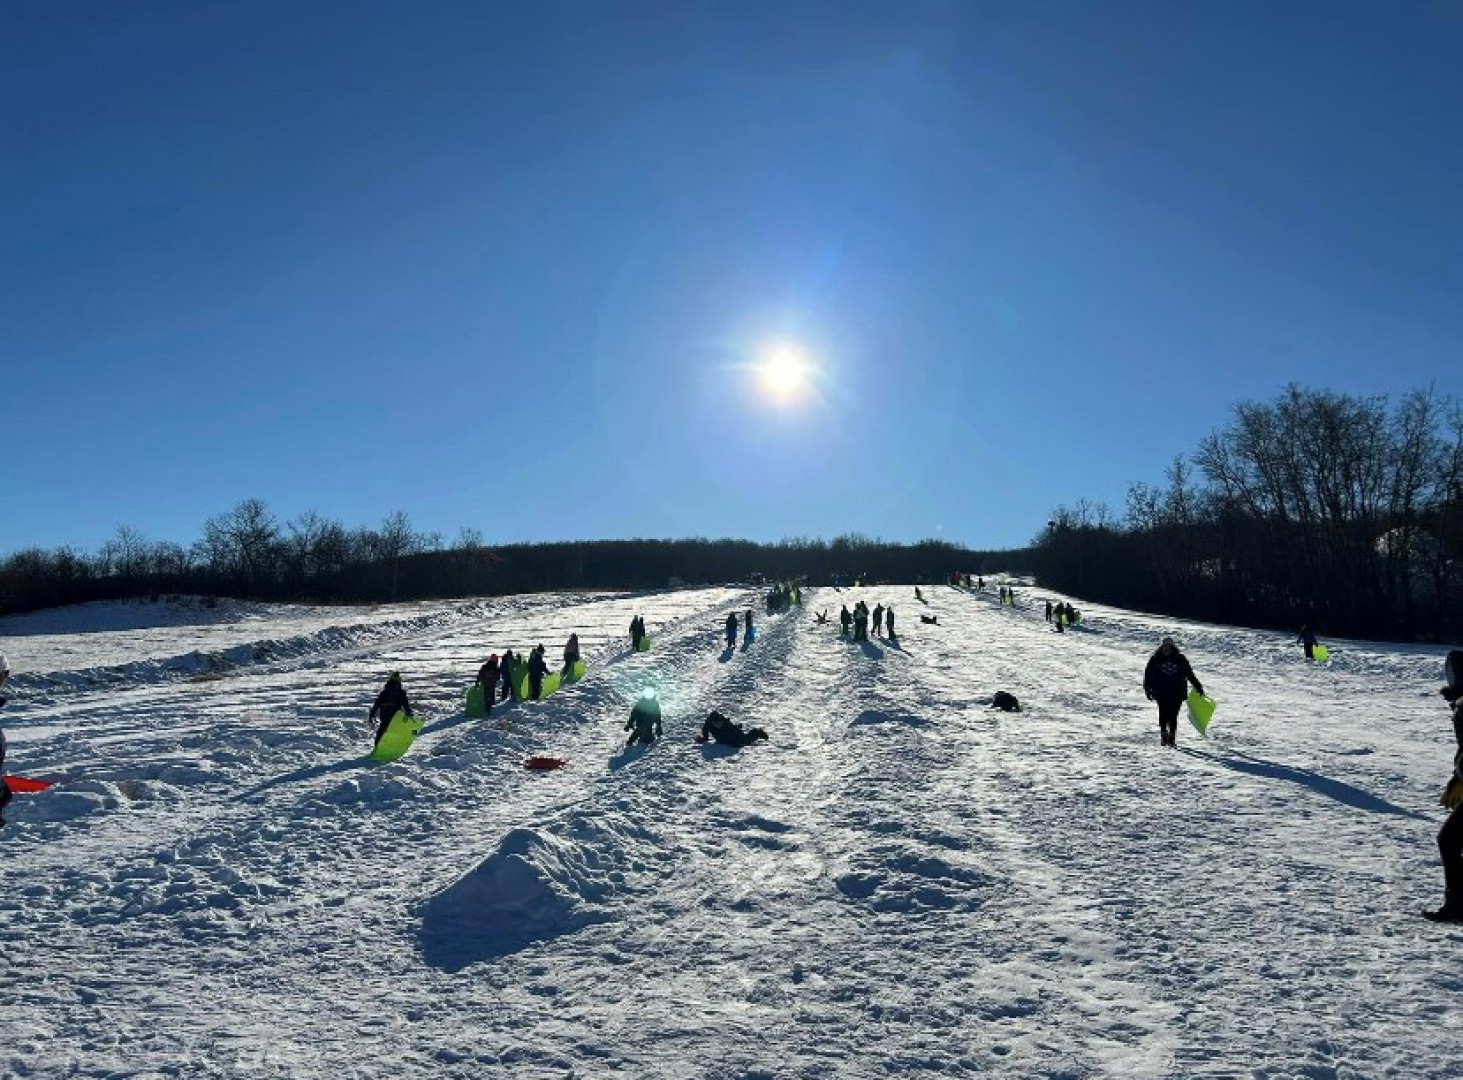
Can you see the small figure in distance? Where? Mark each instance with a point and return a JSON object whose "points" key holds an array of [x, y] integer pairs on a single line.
{"points": [[506, 667], [1166, 680], [538, 667], [823, 616], [488, 680], [644, 724], [929, 619], [5, 792], [889, 622], [391, 700], [571, 653], [731, 630], [720, 729], [637, 631], [1308, 639], [878, 618], [1450, 836]]}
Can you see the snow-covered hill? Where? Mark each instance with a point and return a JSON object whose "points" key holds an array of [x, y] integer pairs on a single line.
{"points": [[902, 882]]}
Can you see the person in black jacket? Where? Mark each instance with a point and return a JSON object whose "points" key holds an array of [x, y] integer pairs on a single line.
{"points": [[488, 680], [506, 667], [722, 730], [1450, 836], [637, 631], [1166, 680], [538, 667], [571, 653], [731, 630], [644, 724], [391, 700]]}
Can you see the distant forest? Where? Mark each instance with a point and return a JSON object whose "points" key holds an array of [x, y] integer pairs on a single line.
{"points": [[1338, 511], [247, 553]]}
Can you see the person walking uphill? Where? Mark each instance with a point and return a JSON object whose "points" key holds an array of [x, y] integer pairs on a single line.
{"points": [[731, 630], [391, 700], [1166, 680], [637, 631], [1450, 836], [571, 653], [1308, 639], [506, 667]]}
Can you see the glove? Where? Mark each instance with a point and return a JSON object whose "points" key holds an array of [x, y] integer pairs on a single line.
{"points": [[1201, 691], [1452, 794]]}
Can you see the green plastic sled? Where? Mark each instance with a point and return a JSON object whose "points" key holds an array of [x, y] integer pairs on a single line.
{"points": [[1201, 711], [551, 683], [1321, 654], [475, 702], [576, 672], [397, 740], [643, 645]]}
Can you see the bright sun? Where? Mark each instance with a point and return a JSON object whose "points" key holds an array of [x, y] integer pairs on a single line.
{"points": [[783, 373]]}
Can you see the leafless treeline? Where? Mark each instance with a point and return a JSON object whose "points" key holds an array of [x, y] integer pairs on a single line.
{"points": [[247, 553], [1345, 512]]}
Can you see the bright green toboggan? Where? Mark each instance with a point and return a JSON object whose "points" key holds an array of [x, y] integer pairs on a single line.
{"points": [[397, 738]]}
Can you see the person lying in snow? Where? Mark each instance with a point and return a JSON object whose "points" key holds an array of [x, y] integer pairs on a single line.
{"points": [[719, 729]]}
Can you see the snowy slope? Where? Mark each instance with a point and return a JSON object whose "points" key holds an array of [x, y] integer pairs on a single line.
{"points": [[902, 882]]}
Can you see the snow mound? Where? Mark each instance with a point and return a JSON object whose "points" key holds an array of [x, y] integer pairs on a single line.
{"points": [[535, 886]]}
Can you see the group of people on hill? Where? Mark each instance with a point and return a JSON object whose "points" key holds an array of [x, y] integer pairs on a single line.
{"points": [[731, 628], [1008, 595], [1061, 615], [855, 623], [783, 596]]}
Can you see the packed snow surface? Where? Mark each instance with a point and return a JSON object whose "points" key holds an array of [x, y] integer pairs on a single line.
{"points": [[903, 881]]}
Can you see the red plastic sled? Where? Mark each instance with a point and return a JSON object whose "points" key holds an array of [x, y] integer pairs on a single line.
{"points": [[543, 764], [25, 783]]}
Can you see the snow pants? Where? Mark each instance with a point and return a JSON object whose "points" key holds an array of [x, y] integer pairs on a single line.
{"points": [[1168, 720], [1450, 844]]}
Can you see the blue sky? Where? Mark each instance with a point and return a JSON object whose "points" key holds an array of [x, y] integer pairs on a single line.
{"points": [[507, 266]]}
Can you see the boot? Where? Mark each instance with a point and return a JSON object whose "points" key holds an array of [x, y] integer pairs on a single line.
{"points": [[1451, 911]]}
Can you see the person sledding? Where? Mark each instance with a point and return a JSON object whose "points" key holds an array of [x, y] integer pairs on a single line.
{"points": [[1166, 680], [720, 729], [644, 724], [1450, 836], [391, 700]]}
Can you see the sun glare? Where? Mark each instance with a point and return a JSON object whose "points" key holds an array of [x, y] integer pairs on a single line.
{"points": [[783, 373]]}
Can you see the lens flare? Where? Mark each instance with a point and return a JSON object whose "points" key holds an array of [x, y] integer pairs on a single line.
{"points": [[783, 373]]}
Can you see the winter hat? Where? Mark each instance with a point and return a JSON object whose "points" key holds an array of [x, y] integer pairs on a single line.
{"points": [[1169, 642], [1452, 669]]}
